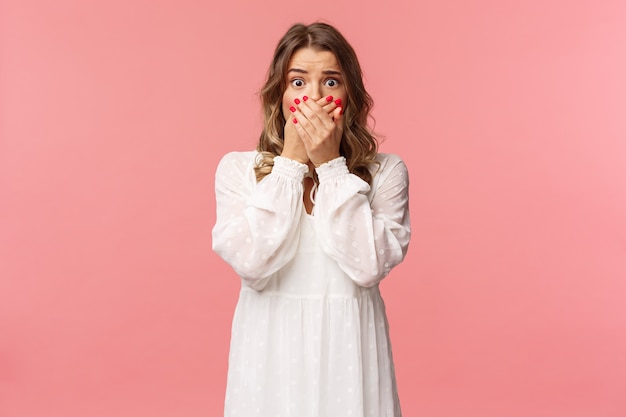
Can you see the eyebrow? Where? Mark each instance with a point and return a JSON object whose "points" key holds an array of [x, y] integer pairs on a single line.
{"points": [[325, 72]]}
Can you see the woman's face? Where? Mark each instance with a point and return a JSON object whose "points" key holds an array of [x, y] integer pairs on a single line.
{"points": [[314, 74]]}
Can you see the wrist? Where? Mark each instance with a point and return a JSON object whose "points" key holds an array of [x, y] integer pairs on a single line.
{"points": [[318, 163], [294, 157]]}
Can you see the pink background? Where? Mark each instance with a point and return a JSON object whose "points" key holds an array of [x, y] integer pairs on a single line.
{"points": [[510, 114]]}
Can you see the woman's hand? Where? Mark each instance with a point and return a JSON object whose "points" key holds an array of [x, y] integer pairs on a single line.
{"points": [[293, 148], [319, 125]]}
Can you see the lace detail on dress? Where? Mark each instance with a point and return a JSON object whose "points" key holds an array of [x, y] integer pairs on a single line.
{"points": [[332, 169], [289, 167]]}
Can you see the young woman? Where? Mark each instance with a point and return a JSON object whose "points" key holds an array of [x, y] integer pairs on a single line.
{"points": [[312, 221]]}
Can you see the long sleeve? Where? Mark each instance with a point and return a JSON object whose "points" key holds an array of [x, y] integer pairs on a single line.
{"points": [[366, 231], [256, 229]]}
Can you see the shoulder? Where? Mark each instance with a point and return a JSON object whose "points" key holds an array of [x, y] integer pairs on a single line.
{"points": [[389, 169], [388, 162], [389, 159], [236, 167], [237, 162], [246, 158]]}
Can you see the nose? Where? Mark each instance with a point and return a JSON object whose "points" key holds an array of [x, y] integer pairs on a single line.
{"points": [[314, 92]]}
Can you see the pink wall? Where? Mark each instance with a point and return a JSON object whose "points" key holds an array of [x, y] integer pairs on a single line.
{"points": [[510, 114]]}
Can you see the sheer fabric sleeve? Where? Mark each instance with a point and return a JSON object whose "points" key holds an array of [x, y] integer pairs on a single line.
{"points": [[256, 229], [366, 238]]}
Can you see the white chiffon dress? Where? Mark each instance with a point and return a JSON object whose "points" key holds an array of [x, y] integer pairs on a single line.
{"points": [[309, 334]]}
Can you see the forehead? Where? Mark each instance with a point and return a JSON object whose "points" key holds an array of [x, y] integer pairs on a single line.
{"points": [[312, 59]]}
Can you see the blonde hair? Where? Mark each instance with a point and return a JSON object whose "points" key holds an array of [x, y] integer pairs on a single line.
{"points": [[358, 144]]}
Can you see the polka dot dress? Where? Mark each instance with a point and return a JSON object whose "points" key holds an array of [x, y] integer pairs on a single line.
{"points": [[309, 334]]}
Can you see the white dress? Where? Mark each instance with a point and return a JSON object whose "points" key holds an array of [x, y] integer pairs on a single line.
{"points": [[309, 333]]}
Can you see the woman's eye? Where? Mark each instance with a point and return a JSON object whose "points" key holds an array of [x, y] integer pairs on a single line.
{"points": [[297, 82], [331, 82]]}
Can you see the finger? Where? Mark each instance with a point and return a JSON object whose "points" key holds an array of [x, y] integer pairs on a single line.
{"points": [[324, 101], [293, 146], [290, 130], [316, 121], [301, 123], [330, 107], [336, 104], [303, 129], [296, 120], [317, 115], [307, 115], [329, 104], [337, 116]]}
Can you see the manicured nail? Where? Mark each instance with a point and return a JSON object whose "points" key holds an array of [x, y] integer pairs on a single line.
{"points": [[340, 110], [297, 101], [338, 102], [305, 98], [329, 99], [293, 109], [295, 120]]}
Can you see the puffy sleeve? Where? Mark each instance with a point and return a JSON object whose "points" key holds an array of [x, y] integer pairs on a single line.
{"points": [[256, 229], [365, 231]]}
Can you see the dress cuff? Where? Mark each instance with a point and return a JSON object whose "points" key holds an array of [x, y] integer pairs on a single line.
{"points": [[289, 168], [332, 169]]}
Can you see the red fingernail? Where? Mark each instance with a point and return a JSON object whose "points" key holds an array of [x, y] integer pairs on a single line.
{"points": [[338, 102], [295, 120], [293, 109], [305, 98], [297, 101], [329, 98], [341, 110]]}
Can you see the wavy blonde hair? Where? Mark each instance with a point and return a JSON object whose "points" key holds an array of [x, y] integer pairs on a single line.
{"points": [[358, 144]]}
